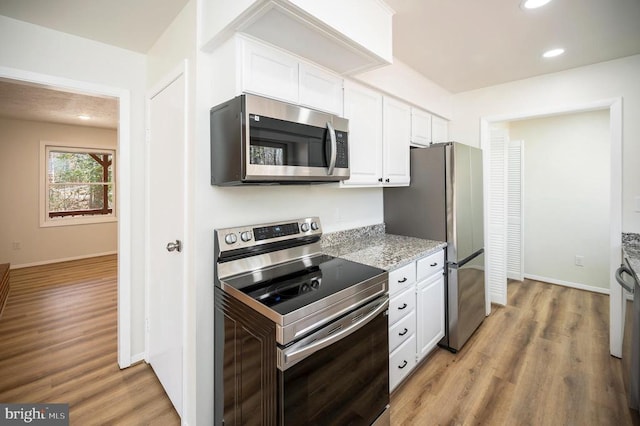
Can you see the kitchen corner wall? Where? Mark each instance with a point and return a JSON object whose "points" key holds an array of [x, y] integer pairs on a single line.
{"points": [[20, 196], [579, 86]]}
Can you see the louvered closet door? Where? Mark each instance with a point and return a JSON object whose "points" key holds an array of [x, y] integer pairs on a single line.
{"points": [[496, 244], [515, 228]]}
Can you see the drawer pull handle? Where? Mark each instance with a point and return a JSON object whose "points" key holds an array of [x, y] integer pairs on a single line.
{"points": [[434, 264], [403, 332], [404, 364], [404, 305], [404, 280]]}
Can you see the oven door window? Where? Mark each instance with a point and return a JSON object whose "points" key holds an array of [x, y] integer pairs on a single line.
{"points": [[275, 142], [346, 383]]}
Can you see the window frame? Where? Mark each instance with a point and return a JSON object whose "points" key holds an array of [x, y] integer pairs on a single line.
{"points": [[66, 220]]}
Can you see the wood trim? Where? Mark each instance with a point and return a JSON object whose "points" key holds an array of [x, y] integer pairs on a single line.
{"points": [[4, 285]]}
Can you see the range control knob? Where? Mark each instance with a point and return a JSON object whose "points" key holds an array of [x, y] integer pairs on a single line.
{"points": [[245, 236], [230, 238], [315, 226], [304, 227]]}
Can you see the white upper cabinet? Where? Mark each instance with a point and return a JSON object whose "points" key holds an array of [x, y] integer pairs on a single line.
{"points": [[322, 32], [439, 130], [379, 133], [320, 89], [420, 127], [273, 73], [269, 72], [396, 135], [363, 108]]}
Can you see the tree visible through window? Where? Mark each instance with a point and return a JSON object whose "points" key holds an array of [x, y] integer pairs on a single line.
{"points": [[79, 182]]}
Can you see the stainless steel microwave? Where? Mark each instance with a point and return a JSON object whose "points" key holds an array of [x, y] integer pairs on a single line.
{"points": [[259, 140]]}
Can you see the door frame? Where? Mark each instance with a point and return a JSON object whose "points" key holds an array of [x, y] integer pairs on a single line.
{"points": [[614, 105], [123, 171], [180, 70]]}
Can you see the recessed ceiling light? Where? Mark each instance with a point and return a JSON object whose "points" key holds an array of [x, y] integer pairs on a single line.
{"points": [[553, 53], [533, 4], [84, 117]]}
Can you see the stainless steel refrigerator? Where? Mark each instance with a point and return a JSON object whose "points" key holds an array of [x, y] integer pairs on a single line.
{"points": [[444, 202]]}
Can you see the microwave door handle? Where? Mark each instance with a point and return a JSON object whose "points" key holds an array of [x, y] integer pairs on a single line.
{"points": [[334, 148]]}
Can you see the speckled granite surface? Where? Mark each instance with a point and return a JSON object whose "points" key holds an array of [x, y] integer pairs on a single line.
{"points": [[631, 251], [374, 248], [345, 237]]}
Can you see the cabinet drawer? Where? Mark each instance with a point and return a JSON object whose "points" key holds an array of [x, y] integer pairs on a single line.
{"points": [[402, 361], [431, 264], [402, 330], [402, 278], [402, 304]]}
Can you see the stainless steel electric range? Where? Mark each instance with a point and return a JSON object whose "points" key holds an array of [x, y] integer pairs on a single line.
{"points": [[300, 337]]}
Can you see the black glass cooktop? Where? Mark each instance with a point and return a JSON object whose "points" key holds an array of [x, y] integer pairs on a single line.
{"points": [[287, 288]]}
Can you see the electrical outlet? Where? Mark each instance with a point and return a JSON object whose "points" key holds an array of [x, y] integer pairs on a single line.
{"points": [[579, 260], [16, 245]]}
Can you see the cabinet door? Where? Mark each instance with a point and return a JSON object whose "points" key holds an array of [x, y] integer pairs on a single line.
{"points": [[430, 314], [363, 108], [320, 89], [439, 130], [396, 134], [269, 72], [420, 127]]}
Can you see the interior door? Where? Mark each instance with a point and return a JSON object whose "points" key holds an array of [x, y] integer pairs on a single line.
{"points": [[166, 189], [496, 241], [515, 223]]}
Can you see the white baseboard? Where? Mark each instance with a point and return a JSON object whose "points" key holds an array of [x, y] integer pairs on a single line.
{"points": [[66, 259], [568, 284]]}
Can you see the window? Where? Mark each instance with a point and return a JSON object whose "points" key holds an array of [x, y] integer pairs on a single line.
{"points": [[78, 185]]}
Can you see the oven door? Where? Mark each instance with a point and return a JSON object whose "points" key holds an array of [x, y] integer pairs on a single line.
{"points": [[340, 374]]}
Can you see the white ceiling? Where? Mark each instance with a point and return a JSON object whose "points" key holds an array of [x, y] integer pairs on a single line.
{"points": [[130, 24], [38, 103], [468, 44], [459, 44]]}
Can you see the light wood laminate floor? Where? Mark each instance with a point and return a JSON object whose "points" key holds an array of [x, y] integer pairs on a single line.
{"points": [[541, 360], [58, 345]]}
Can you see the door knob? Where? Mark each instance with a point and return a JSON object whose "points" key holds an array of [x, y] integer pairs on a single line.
{"points": [[175, 246]]}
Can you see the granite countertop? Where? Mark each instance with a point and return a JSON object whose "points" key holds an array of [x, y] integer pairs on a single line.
{"points": [[631, 251], [372, 246]]}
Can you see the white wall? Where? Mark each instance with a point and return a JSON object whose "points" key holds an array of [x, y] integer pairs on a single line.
{"points": [[566, 196], [578, 86], [27, 48], [20, 196]]}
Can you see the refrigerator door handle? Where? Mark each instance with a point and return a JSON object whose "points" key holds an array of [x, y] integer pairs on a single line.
{"points": [[466, 259]]}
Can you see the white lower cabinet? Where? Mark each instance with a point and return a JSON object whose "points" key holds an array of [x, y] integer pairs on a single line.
{"points": [[430, 309], [416, 314]]}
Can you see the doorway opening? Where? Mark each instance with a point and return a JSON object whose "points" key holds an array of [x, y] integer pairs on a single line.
{"points": [[88, 91], [496, 226]]}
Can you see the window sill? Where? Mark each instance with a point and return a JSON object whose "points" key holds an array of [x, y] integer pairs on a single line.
{"points": [[72, 221]]}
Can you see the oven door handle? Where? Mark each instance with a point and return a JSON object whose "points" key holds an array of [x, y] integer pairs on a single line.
{"points": [[297, 354], [624, 270]]}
